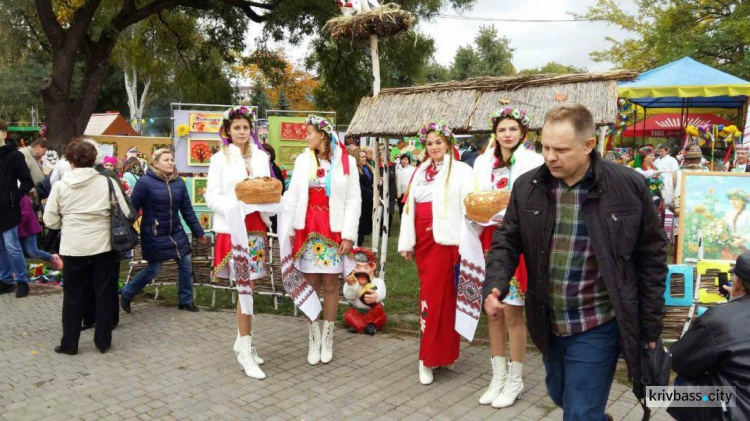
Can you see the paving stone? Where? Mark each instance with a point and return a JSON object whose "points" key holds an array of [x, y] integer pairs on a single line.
{"points": [[168, 365]]}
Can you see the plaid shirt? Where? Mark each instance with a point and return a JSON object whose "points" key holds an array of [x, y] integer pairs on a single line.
{"points": [[578, 298]]}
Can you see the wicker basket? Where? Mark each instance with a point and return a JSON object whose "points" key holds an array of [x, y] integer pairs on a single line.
{"points": [[482, 206], [258, 191]]}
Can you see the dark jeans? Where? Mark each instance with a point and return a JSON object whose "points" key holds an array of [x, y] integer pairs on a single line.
{"points": [[144, 277], [83, 274], [580, 371]]}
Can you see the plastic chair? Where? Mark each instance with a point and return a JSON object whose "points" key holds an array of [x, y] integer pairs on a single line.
{"points": [[704, 266], [705, 297], [687, 297]]}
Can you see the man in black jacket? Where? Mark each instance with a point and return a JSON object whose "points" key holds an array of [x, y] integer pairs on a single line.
{"points": [[15, 181], [715, 351], [595, 254]]}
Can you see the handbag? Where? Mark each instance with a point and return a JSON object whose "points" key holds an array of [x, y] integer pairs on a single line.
{"points": [[123, 236], [656, 365]]}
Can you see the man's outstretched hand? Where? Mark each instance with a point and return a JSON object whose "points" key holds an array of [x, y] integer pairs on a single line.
{"points": [[492, 304]]}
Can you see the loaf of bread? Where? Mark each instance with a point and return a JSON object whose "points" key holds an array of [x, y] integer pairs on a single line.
{"points": [[482, 206], [258, 191]]}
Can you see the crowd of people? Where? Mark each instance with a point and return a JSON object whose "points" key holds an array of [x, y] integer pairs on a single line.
{"points": [[580, 247]]}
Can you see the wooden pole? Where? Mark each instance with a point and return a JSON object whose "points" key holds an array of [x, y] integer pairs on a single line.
{"points": [[375, 65]]}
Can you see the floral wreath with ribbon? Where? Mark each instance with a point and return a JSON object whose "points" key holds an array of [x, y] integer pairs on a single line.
{"points": [[514, 113], [233, 113], [438, 127], [337, 147]]}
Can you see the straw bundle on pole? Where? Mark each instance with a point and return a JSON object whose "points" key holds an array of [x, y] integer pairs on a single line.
{"points": [[384, 21]]}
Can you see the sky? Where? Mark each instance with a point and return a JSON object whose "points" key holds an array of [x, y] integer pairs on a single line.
{"points": [[535, 44]]}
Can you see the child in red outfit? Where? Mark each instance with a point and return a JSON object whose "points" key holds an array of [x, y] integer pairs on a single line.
{"points": [[364, 292]]}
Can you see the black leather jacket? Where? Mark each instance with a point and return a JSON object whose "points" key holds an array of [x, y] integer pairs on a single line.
{"points": [[715, 351], [629, 242]]}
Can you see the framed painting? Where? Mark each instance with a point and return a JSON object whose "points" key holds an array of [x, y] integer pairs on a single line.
{"points": [[288, 154], [200, 184], [714, 216], [205, 218], [200, 151]]}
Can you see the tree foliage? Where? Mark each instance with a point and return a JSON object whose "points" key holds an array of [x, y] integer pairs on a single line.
{"points": [[552, 67], [715, 32], [279, 77]]}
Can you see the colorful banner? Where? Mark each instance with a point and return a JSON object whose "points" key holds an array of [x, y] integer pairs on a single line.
{"points": [[205, 122]]}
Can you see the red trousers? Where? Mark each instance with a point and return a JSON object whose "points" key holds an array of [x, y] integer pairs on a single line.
{"points": [[357, 320]]}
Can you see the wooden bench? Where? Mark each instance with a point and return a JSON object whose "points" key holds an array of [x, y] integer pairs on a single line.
{"points": [[202, 261]]}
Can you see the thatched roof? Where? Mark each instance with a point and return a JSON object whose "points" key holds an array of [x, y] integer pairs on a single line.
{"points": [[466, 105]]}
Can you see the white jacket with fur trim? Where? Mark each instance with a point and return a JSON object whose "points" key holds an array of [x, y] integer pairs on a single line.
{"points": [[228, 168], [447, 206], [524, 161], [345, 202]]}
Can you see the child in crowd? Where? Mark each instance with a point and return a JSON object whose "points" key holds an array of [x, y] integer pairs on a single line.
{"points": [[109, 163], [27, 232]]}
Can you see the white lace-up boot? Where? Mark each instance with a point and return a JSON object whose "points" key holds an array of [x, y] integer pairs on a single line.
{"points": [[248, 364], [326, 352], [313, 352], [253, 351], [425, 373], [499, 372], [513, 386]]}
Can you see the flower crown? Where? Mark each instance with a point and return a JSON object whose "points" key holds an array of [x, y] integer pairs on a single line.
{"points": [[514, 113], [646, 150], [239, 110], [321, 123], [437, 127]]}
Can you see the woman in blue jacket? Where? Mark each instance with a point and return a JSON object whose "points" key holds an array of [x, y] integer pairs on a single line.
{"points": [[162, 195]]}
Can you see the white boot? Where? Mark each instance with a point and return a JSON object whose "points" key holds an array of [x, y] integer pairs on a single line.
{"points": [[313, 353], [499, 371], [425, 373], [326, 353], [248, 364], [513, 386], [253, 352]]}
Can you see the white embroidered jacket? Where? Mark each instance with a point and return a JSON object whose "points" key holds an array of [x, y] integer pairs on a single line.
{"points": [[228, 168], [447, 206], [345, 202], [525, 160]]}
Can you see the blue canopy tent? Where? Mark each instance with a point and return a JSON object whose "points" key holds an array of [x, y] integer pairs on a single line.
{"points": [[686, 84]]}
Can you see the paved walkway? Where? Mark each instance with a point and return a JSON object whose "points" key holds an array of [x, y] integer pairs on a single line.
{"points": [[171, 364]]}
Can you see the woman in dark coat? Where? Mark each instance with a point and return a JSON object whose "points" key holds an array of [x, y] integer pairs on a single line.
{"points": [[366, 186], [162, 195]]}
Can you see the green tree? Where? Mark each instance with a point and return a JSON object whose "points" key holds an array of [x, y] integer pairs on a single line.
{"points": [[490, 55], [259, 98], [282, 103], [552, 67], [715, 32]]}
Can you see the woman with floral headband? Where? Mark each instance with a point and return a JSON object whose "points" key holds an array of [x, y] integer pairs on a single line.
{"points": [[240, 157], [504, 161], [324, 204], [434, 206], [644, 164]]}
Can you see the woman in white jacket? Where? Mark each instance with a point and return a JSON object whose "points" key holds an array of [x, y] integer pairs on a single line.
{"points": [[79, 206], [434, 208], [239, 159], [325, 204], [504, 161]]}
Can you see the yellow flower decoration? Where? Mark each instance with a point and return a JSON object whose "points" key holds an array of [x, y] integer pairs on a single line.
{"points": [[318, 248], [692, 131], [261, 254], [652, 187], [183, 130], [326, 263]]}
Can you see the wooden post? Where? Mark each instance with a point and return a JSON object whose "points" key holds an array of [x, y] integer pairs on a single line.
{"points": [[376, 214], [375, 65], [386, 209], [602, 138]]}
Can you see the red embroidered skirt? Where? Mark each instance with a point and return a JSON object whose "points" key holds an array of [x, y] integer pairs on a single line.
{"points": [[521, 276], [439, 341], [223, 248], [318, 229]]}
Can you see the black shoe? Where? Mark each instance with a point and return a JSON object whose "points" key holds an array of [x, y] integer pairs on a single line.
{"points": [[352, 330], [189, 307], [102, 349], [60, 350], [22, 289], [125, 304], [370, 329], [6, 288]]}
